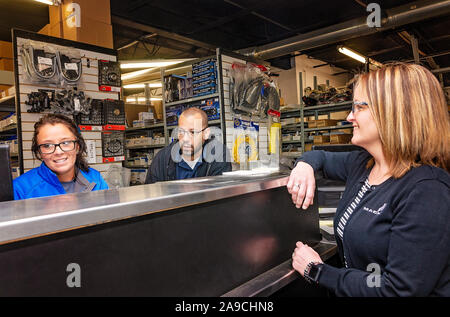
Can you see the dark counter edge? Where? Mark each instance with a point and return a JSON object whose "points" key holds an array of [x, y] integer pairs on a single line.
{"points": [[273, 280]]}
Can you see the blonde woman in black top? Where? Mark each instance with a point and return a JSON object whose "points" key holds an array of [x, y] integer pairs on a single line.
{"points": [[392, 225]]}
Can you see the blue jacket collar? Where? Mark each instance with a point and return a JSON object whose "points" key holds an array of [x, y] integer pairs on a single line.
{"points": [[48, 175]]}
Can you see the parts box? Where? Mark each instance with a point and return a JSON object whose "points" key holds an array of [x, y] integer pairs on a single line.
{"points": [[172, 114], [212, 108]]}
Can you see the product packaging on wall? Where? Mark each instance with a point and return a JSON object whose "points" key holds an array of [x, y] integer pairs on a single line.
{"points": [[252, 92], [60, 76], [109, 76], [47, 64]]}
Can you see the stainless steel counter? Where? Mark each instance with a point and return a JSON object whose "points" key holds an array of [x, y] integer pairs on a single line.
{"points": [[230, 235], [40, 216]]}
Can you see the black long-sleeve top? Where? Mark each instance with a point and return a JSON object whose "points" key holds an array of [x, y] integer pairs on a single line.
{"points": [[402, 226]]}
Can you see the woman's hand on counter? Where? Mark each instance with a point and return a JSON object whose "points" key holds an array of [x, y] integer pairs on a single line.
{"points": [[301, 185], [302, 255]]}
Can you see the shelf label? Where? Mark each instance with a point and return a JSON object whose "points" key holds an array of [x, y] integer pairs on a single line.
{"points": [[90, 149], [90, 128], [113, 159], [45, 61]]}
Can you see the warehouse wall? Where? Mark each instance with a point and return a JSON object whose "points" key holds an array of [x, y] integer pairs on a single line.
{"points": [[305, 65], [287, 82]]}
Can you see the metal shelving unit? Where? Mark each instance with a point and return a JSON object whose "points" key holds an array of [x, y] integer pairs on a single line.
{"points": [[158, 125], [139, 131], [313, 111], [193, 99], [143, 147], [8, 104], [183, 68], [210, 123]]}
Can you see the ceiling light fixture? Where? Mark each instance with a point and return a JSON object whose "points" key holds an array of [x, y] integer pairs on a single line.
{"points": [[141, 99], [137, 86], [352, 54], [50, 2], [135, 74], [373, 64], [150, 63]]}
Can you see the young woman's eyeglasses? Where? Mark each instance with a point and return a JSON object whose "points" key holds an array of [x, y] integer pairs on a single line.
{"points": [[358, 106], [65, 146], [190, 133]]}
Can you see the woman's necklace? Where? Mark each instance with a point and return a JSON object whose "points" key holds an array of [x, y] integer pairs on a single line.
{"points": [[376, 180]]}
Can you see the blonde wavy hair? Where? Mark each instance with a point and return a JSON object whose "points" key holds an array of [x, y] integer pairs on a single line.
{"points": [[411, 114]]}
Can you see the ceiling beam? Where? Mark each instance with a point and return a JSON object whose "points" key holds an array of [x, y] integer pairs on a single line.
{"points": [[149, 29], [395, 17], [221, 21], [259, 15]]}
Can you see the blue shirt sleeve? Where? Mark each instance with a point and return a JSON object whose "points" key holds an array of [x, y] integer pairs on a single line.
{"points": [[18, 195]]}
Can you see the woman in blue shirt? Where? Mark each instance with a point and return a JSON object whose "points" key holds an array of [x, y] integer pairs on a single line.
{"points": [[392, 223], [61, 148]]}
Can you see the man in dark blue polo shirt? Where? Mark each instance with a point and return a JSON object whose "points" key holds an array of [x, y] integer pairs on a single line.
{"points": [[194, 154]]}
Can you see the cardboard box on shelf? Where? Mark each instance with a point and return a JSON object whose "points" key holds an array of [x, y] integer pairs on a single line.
{"points": [[98, 10], [5, 90], [340, 115], [322, 123], [132, 112], [157, 109], [340, 138], [321, 139], [145, 116], [143, 141], [102, 36]]}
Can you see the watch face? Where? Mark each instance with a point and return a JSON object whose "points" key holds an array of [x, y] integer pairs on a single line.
{"points": [[313, 272]]}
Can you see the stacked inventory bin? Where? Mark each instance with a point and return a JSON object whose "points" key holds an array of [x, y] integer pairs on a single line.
{"points": [[204, 77]]}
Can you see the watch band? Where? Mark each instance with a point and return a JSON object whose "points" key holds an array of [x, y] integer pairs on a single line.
{"points": [[307, 273]]}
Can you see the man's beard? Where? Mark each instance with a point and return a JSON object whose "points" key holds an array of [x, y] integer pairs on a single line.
{"points": [[188, 149]]}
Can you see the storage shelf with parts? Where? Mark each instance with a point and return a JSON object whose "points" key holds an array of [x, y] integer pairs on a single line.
{"points": [[145, 147], [311, 110], [335, 127], [210, 123], [296, 141], [8, 129], [325, 117], [130, 166], [194, 83], [194, 99], [7, 104], [154, 126]]}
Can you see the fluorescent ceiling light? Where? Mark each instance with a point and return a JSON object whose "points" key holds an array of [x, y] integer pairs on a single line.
{"points": [[134, 99], [352, 54], [141, 99], [136, 86], [135, 74], [49, 2], [148, 63], [374, 62]]}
